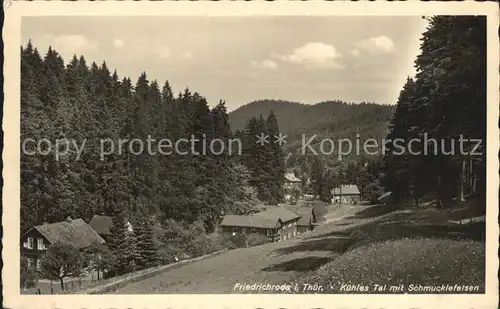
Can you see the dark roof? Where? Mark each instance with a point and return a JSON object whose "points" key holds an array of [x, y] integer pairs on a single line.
{"points": [[346, 190], [101, 224], [75, 232], [249, 221], [268, 217], [280, 212], [305, 213]]}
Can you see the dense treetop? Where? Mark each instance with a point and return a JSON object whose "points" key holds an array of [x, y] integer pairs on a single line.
{"points": [[89, 101], [446, 101], [86, 101]]}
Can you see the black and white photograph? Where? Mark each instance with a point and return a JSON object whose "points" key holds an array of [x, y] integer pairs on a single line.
{"points": [[256, 154]]}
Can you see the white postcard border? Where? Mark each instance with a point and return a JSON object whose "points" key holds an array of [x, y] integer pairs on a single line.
{"points": [[11, 153]]}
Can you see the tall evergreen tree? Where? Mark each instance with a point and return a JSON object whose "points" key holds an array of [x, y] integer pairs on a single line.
{"points": [[277, 160], [446, 102], [121, 243], [146, 248]]}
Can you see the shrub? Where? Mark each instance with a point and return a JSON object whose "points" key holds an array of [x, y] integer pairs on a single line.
{"points": [[239, 240], [99, 258], [182, 241], [373, 191], [256, 239], [247, 240], [171, 254], [28, 275], [205, 244]]}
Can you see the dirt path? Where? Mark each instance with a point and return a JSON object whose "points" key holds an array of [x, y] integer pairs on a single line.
{"points": [[274, 263]]}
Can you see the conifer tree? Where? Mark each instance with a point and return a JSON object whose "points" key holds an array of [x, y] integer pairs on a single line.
{"points": [[146, 248], [277, 159], [121, 243], [447, 100]]}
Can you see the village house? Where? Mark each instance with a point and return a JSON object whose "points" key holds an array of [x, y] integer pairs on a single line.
{"points": [[291, 185], [275, 222], [102, 225], [346, 194], [307, 220], [37, 239]]}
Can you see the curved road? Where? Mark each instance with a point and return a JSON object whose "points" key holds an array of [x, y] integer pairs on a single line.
{"points": [[274, 263]]}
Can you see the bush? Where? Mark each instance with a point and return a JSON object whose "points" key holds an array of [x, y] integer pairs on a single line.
{"points": [[247, 240], [99, 258], [28, 277], [238, 241], [205, 244], [171, 254], [373, 191], [181, 241], [256, 239], [320, 209]]}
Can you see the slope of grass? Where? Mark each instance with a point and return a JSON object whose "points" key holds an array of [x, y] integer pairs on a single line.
{"points": [[412, 246], [407, 261], [368, 244]]}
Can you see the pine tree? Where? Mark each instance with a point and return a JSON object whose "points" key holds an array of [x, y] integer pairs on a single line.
{"points": [[398, 176], [447, 100], [277, 159], [121, 243], [318, 181], [147, 248]]}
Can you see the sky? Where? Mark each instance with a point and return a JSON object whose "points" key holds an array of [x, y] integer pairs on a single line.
{"points": [[307, 59]]}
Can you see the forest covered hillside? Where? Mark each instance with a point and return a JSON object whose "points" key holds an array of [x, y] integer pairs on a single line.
{"points": [[330, 119]]}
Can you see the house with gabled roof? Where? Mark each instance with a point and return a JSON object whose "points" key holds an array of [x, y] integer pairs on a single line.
{"points": [[291, 186], [308, 219], [102, 225], [275, 222], [36, 240], [346, 194]]}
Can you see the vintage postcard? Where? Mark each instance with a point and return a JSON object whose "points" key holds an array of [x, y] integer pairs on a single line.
{"points": [[250, 155]]}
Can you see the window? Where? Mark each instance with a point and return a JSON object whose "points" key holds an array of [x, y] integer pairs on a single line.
{"points": [[40, 245], [38, 264], [253, 231], [29, 243]]}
